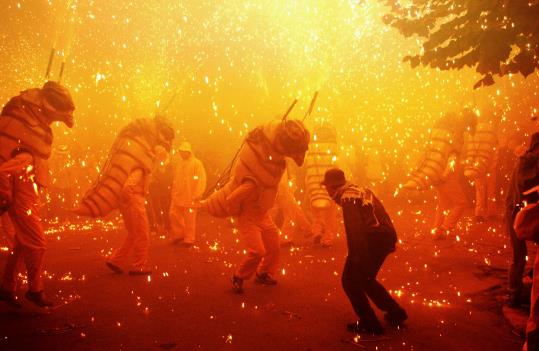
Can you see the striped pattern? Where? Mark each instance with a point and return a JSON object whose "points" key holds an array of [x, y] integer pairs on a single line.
{"points": [[215, 204], [126, 155], [258, 161], [480, 150], [322, 155], [435, 161], [21, 132]]}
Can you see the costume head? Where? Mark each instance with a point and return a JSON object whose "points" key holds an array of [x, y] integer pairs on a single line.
{"points": [[58, 103], [165, 132], [292, 140]]}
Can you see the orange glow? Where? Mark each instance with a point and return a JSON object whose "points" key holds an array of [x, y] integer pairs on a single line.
{"points": [[220, 69]]}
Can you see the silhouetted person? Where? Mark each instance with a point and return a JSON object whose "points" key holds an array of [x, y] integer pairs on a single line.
{"points": [[370, 236], [525, 176]]}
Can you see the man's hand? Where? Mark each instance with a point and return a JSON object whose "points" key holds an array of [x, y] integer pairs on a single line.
{"points": [[535, 189]]}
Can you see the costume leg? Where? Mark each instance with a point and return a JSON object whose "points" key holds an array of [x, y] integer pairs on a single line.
{"points": [[270, 238], [441, 207], [120, 255], [29, 235], [11, 270], [190, 216], [177, 222], [135, 214], [251, 236], [459, 202]]}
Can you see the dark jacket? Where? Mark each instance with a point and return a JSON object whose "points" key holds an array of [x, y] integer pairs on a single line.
{"points": [[369, 230], [525, 176]]}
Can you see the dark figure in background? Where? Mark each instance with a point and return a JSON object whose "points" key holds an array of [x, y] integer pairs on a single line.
{"points": [[525, 176], [159, 197], [370, 236]]}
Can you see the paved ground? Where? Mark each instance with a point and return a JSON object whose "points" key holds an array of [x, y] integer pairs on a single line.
{"points": [[452, 290]]}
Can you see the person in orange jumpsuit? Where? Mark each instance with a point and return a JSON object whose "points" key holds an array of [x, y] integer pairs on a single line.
{"points": [[251, 201], [137, 242], [25, 146], [123, 184], [249, 194], [133, 197], [187, 187]]}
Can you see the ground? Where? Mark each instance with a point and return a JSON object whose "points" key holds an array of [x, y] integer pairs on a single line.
{"points": [[451, 289]]}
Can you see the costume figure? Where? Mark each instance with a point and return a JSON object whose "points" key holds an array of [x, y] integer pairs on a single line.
{"points": [[123, 184], [250, 194], [322, 155], [25, 147], [480, 162], [441, 168]]}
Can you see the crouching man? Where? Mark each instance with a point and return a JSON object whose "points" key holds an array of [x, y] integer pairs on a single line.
{"points": [[370, 236]]}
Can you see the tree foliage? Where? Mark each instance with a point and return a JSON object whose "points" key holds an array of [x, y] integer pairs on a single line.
{"points": [[496, 37]]}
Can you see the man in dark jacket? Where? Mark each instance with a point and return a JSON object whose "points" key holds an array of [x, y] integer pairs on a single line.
{"points": [[370, 236], [525, 176]]}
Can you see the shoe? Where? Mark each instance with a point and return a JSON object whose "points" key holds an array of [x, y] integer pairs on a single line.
{"points": [[38, 298], [141, 271], [396, 318], [237, 285], [177, 241], [10, 298], [114, 268], [363, 328], [265, 279]]}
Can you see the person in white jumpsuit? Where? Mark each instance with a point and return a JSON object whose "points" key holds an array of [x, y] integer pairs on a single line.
{"points": [[187, 188]]}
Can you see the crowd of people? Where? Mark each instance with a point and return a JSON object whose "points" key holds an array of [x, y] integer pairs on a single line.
{"points": [[159, 189]]}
